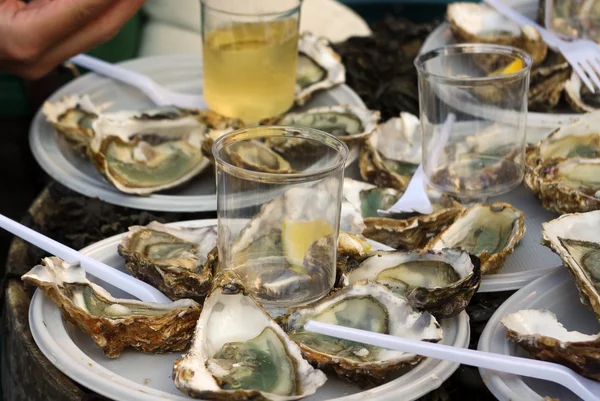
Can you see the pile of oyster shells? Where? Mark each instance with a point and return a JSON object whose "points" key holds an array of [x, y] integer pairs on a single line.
{"points": [[553, 84], [146, 151]]}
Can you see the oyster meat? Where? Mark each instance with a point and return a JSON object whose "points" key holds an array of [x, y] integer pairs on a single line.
{"points": [[489, 231], [350, 123], [149, 152], [478, 23], [72, 116], [391, 155], [404, 231], [439, 282], [574, 237], [319, 67], [114, 324], [368, 306], [179, 261], [257, 156], [239, 353], [540, 333]]}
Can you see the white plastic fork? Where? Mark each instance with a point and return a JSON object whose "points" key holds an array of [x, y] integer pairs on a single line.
{"points": [[582, 54], [587, 389], [161, 96]]}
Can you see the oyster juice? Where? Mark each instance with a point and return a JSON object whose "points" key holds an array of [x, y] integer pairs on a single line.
{"points": [[250, 69]]}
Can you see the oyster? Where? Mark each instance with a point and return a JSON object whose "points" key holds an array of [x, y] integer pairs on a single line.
{"points": [[145, 153], [319, 67], [547, 82], [440, 282], [477, 23], [404, 230], [574, 237], [351, 124], [540, 333], [114, 324], [490, 231], [72, 116], [240, 353], [179, 261], [579, 96], [257, 156], [391, 155], [368, 306]]}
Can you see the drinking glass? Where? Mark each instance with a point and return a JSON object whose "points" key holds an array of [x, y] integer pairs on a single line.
{"points": [[473, 112], [250, 51], [278, 230], [573, 19]]}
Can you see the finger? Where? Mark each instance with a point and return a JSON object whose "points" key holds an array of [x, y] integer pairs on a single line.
{"points": [[96, 32]]}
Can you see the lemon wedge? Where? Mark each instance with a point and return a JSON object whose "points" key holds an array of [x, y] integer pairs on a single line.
{"points": [[515, 66], [297, 236]]}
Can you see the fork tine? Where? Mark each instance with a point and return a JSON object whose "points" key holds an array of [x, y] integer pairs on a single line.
{"points": [[591, 72], [581, 74]]}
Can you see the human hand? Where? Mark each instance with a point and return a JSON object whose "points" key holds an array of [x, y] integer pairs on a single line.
{"points": [[37, 36]]}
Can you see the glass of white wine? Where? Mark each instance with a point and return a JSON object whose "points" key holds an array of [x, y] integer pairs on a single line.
{"points": [[250, 51]]}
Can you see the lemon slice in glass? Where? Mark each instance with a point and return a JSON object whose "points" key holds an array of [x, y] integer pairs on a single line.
{"points": [[515, 66], [297, 236]]}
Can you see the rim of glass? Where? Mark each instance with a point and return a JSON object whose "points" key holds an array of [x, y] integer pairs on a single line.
{"points": [[250, 133], [474, 48], [289, 11]]}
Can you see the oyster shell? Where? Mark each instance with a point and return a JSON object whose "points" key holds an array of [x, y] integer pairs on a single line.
{"points": [[114, 324], [319, 67], [405, 231], [368, 306], [72, 116], [540, 333], [478, 23], [391, 155], [439, 282], [574, 237], [179, 261], [547, 82], [350, 123], [240, 353], [149, 152], [489, 231], [579, 96], [257, 156]]}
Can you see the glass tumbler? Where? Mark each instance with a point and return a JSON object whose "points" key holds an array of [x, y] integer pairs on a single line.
{"points": [[250, 51], [279, 213], [473, 112]]}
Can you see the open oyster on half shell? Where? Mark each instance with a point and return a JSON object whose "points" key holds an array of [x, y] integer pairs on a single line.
{"points": [[392, 154], [319, 67], [439, 282], [575, 238], [145, 152], [239, 353], [114, 324], [72, 116], [350, 123], [179, 261], [540, 333], [563, 169], [368, 306], [406, 231], [580, 98], [489, 231]]}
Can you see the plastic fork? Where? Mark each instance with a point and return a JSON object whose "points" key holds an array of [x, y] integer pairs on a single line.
{"points": [[582, 54], [112, 276], [587, 389], [158, 94]]}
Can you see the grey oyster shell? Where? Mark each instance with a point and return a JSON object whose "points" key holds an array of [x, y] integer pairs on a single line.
{"points": [[114, 324], [179, 261], [439, 282]]}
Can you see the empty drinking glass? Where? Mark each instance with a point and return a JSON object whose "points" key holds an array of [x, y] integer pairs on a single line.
{"points": [[279, 212], [473, 111]]}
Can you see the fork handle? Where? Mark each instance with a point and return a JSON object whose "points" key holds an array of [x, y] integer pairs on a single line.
{"points": [[550, 38], [110, 70]]}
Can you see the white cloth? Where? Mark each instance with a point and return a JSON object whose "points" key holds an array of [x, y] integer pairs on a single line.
{"points": [[174, 25]]}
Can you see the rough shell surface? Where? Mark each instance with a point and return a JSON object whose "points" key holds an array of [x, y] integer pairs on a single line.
{"points": [[114, 324], [179, 261]]}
